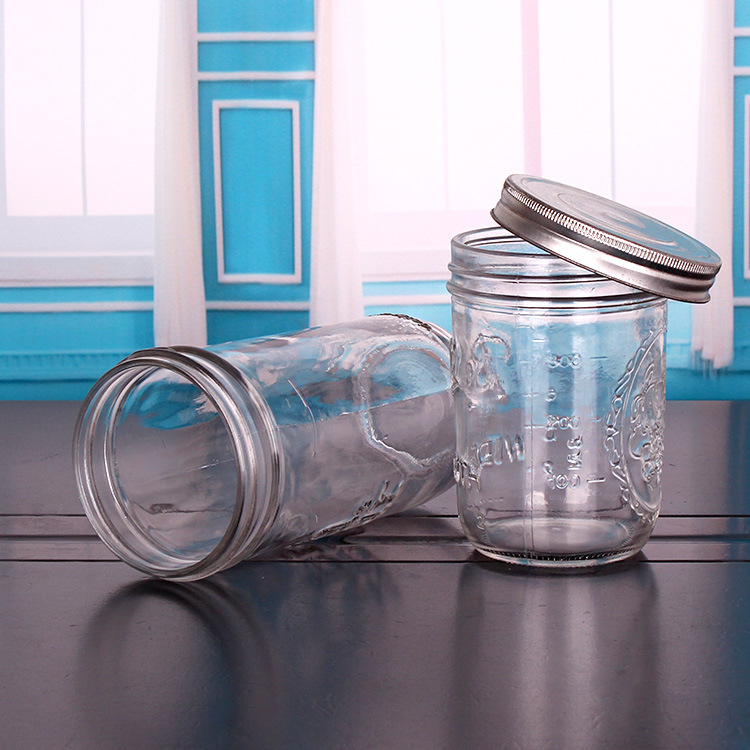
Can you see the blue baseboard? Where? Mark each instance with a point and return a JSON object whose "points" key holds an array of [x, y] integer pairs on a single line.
{"points": [[37, 376], [56, 376], [690, 385]]}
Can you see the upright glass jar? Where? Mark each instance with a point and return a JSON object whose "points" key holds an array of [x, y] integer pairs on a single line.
{"points": [[559, 373], [189, 460]]}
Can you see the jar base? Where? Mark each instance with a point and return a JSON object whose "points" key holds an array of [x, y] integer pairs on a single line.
{"points": [[542, 561], [563, 542]]}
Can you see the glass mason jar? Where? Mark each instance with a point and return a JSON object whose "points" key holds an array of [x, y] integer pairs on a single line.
{"points": [[559, 379], [189, 460], [558, 372]]}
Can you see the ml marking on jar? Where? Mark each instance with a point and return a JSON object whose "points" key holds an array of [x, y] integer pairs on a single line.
{"points": [[572, 360], [555, 422]]}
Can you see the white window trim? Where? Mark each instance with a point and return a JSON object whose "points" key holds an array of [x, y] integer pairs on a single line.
{"points": [[26, 261], [61, 270], [225, 277]]}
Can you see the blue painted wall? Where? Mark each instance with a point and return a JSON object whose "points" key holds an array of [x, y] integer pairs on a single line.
{"points": [[256, 121]]}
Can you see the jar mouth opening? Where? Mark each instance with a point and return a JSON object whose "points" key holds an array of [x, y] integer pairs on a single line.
{"points": [[491, 263], [493, 250], [175, 462], [479, 238]]}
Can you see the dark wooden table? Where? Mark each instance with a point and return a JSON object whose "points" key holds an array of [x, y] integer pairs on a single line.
{"points": [[399, 637]]}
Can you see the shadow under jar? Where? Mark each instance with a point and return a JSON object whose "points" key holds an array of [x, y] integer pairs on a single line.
{"points": [[558, 367]]}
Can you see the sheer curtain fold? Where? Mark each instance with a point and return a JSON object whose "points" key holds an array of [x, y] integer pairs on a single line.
{"points": [[336, 278], [179, 296], [713, 323]]}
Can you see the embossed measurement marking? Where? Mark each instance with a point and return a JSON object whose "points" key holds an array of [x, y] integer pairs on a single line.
{"points": [[575, 446], [555, 422], [573, 359], [560, 481], [569, 476]]}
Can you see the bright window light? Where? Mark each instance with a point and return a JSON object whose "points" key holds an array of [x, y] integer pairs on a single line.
{"points": [[456, 95], [80, 94]]}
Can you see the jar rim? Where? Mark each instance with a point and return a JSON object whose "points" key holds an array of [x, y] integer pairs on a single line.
{"points": [[476, 241], [249, 426], [491, 263]]}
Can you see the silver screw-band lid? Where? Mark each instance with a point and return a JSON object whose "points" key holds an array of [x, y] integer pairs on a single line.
{"points": [[607, 238]]}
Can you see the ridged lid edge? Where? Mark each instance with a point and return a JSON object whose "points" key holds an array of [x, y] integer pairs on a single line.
{"points": [[607, 238]]}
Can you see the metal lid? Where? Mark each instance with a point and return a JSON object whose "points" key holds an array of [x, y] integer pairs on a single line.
{"points": [[607, 238]]}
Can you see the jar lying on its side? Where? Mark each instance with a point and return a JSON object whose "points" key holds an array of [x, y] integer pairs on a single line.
{"points": [[560, 397], [189, 460]]}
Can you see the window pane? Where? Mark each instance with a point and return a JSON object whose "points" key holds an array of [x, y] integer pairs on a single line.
{"points": [[121, 40], [656, 105], [43, 107], [444, 103], [483, 61], [574, 64], [404, 105]]}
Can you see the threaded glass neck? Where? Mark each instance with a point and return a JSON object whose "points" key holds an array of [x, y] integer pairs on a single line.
{"points": [[177, 462], [491, 265]]}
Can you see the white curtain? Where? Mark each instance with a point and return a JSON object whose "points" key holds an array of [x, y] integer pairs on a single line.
{"points": [[179, 296], [713, 323], [336, 279]]}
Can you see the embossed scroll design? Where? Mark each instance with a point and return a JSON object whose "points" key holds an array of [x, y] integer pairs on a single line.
{"points": [[635, 428]]}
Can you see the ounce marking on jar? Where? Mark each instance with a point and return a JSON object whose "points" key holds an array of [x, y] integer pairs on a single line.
{"points": [[575, 457]]}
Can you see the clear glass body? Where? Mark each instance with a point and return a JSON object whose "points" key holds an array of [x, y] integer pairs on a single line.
{"points": [[559, 384], [189, 460]]}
